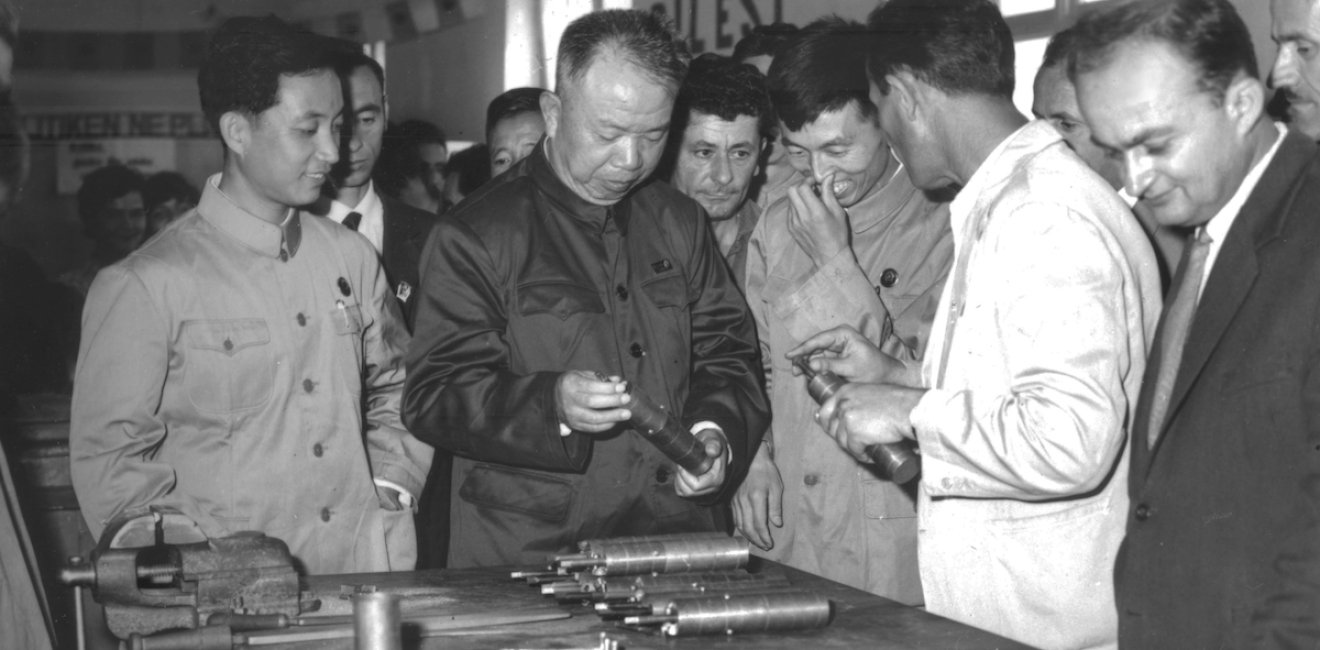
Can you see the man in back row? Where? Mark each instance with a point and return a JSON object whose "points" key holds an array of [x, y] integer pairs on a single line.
{"points": [[245, 368], [722, 118], [565, 282]]}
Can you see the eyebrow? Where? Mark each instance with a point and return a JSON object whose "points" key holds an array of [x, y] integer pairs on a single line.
{"points": [[1143, 136]]}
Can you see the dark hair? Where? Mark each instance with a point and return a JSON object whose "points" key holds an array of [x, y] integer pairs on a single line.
{"points": [[350, 57], [163, 186], [765, 40], [105, 185], [643, 37], [823, 70], [720, 86], [399, 158], [1060, 48], [511, 103], [245, 59], [1207, 33], [472, 166], [957, 46]]}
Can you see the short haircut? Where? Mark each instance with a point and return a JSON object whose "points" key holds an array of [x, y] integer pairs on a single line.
{"points": [[720, 86], [163, 186], [1207, 33], [959, 47], [399, 159], [104, 185], [765, 40], [472, 165], [823, 71], [420, 132], [350, 57], [511, 103], [1060, 48], [642, 37], [244, 62]]}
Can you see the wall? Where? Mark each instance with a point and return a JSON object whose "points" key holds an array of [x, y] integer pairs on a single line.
{"points": [[449, 76]]}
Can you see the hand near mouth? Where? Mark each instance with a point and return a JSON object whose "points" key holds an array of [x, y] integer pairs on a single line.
{"points": [[817, 223]]}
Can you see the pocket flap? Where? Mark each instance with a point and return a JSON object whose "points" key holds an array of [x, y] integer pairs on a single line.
{"points": [[538, 496], [227, 336], [667, 290], [560, 299]]}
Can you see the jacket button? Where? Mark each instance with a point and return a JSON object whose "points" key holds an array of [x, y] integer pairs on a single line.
{"points": [[325, 514], [636, 350], [318, 450], [662, 474], [810, 480], [308, 385], [302, 320], [229, 345], [888, 278], [1142, 512], [621, 291]]}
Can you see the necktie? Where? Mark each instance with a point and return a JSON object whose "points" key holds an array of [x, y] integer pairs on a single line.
{"points": [[352, 220], [1178, 315]]}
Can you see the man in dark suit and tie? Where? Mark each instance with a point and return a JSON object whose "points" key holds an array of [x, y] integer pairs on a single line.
{"points": [[396, 229], [1223, 534]]}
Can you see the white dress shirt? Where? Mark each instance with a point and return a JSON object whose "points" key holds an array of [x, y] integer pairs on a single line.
{"points": [[373, 216]]}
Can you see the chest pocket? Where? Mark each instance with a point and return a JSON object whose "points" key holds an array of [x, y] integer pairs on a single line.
{"points": [[559, 299], [229, 365], [347, 319], [667, 291]]}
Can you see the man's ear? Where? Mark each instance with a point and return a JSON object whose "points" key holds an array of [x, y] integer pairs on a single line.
{"points": [[1244, 100], [236, 131], [905, 93], [551, 110]]}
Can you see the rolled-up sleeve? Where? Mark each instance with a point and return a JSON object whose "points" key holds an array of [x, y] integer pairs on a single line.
{"points": [[1057, 427]]}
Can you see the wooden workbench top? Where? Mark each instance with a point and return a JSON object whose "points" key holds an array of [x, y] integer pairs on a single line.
{"points": [[861, 620]]}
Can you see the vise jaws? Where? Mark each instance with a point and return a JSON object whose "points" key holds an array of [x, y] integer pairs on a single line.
{"points": [[164, 586]]}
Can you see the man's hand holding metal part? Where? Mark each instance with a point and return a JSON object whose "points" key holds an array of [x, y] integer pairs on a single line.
{"points": [[874, 407]]}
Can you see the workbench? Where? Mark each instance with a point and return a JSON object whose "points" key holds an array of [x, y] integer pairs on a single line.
{"points": [[861, 620]]}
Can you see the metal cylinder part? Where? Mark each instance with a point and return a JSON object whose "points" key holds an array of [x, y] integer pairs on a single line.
{"points": [[897, 461], [377, 622], [745, 613], [691, 553], [666, 434]]}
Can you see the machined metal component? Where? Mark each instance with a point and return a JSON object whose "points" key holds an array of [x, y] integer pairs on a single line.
{"points": [[665, 432], [898, 461], [690, 553], [377, 623], [739, 614], [654, 601]]}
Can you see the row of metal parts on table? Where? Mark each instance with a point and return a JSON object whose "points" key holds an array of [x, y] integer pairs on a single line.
{"points": [[679, 585]]}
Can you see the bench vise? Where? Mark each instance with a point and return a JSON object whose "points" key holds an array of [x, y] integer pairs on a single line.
{"points": [[149, 589]]}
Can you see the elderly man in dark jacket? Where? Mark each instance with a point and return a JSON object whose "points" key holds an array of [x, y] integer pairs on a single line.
{"points": [[551, 290]]}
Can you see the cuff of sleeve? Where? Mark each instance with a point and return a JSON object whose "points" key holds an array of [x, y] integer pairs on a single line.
{"points": [[931, 419], [406, 498], [708, 424], [564, 430]]}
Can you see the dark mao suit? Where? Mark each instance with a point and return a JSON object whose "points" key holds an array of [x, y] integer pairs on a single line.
{"points": [[526, 281], [1223, 540]]}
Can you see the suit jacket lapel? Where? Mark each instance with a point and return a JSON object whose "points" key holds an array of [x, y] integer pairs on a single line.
{"points": [[1263, 215]]}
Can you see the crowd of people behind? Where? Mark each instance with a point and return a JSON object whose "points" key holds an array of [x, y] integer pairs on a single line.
{"points": [[1099, 327]]}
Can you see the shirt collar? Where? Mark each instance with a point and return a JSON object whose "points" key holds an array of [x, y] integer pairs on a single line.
{"points": [[272, 240], [367, 206], [1217, 227], [884, 202], [543, 174], [1032, 137]]}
